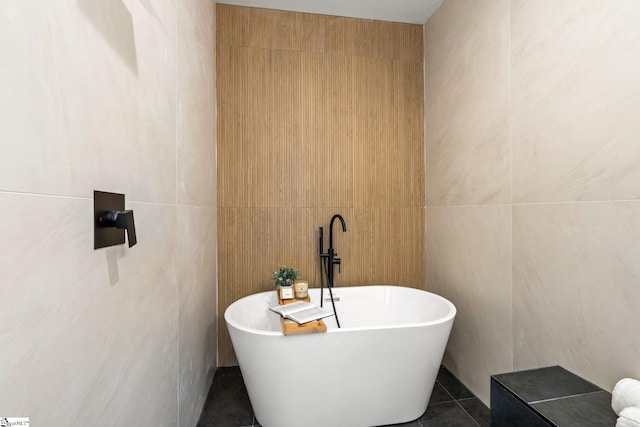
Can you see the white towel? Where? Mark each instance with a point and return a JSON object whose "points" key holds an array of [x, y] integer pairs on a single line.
{"points": [[629, 417], [626, 393]]}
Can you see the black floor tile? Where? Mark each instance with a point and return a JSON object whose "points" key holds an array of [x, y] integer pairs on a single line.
{"points": [[478, 411], [453, 385], [439, 394], [447, 414], [227, 404]]}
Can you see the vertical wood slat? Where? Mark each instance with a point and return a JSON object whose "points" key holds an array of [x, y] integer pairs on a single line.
{"points": [[375, 132], [317, 115], [275, 29], [270, 29], [410, 138], [327, 130]]}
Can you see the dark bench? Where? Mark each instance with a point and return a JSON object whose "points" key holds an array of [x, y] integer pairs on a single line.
{"points": [[550, 396]]}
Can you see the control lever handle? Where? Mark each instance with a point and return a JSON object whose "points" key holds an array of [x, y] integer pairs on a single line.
{"points": [[122, 220]]}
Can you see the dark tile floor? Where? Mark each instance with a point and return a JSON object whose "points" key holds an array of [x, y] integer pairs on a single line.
{"points": [[451, 404]]}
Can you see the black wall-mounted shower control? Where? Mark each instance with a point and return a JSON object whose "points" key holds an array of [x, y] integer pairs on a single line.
{"points": [[111, 220]]}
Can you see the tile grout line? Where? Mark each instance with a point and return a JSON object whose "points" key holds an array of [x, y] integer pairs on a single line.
{"points": [[458, 401], [465, 411], [446, 391], [563, 397]]}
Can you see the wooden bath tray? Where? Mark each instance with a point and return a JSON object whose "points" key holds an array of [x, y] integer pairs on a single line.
{"points": [[289, 327]]}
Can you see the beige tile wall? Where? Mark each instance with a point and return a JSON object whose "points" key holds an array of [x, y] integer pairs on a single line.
{"points": [[115, 96], [532, 217], [469, 256], [467, 110]]}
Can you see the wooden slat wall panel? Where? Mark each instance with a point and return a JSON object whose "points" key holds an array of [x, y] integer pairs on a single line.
{"points": [[317, 115], [230, 25], [359, 37], [375, 132], [410, 142], [387, 246], [327, 130], [271, 29], [340, 36], [236, 162], [313, 32], [408, 43], [280, 149], [274, 29]]}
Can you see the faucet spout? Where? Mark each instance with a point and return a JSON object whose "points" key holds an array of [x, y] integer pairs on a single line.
{"points": [[344, 228], [331, 255]]}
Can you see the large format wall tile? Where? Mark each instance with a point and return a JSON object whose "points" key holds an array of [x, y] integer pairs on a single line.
{"points": [[86, 87], [77, 322], [575, 288], [90, 337], [277, 29], [262, 28], [386, 246], [575, 100], [388, 147], [197, 328], [467, 103], [469, 263], [196, 104], [327, 130], [196, 199], [570, 134], [262, 157]]}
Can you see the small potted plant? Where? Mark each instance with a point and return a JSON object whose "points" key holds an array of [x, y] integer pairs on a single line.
{"points": [[283, 279]]}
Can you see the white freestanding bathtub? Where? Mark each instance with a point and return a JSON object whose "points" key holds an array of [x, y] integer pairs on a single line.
{"points": [[379, 368]]}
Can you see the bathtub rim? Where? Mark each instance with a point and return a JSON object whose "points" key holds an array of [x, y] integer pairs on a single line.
{"points": [[443, 319]]}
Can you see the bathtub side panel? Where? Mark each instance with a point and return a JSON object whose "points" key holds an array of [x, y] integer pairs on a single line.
{"points": [[347, 378]]}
